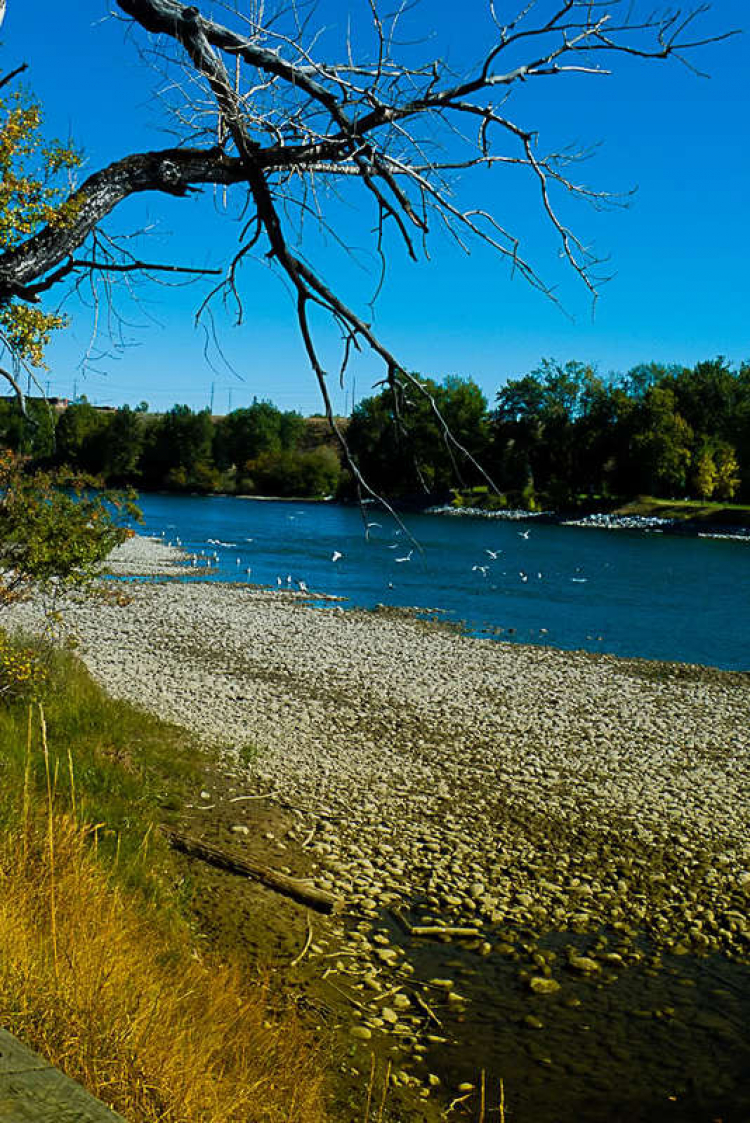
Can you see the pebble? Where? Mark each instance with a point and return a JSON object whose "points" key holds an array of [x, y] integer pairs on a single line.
{"points": [[543, 986], [583, 964]]}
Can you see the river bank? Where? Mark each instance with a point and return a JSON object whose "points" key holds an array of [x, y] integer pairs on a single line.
{"points": [[435, 780], [657, 516]]}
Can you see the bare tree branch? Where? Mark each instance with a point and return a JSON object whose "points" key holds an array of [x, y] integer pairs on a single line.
{"points": [[255, 103]]}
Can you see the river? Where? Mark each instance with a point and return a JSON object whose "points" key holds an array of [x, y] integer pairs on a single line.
{"points": [[635, 593]]}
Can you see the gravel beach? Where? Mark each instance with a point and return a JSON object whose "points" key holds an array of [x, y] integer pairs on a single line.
{"points": [[510, 785]]}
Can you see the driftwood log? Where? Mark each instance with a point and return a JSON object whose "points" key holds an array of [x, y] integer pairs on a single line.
{"points": [[293, 887]]}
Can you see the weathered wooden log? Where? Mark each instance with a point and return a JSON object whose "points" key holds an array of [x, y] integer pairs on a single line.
{"points": [[292, 887]]}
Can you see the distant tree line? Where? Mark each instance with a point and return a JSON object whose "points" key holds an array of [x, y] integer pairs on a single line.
{"points": [[255, 450], [563, 434], [559, 436]]}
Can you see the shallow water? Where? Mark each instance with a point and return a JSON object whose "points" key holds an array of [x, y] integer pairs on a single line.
{"points": [[644, 1045], [631, 593]]}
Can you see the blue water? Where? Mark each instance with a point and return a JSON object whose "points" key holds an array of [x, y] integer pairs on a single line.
{"points": [[630, 593]]}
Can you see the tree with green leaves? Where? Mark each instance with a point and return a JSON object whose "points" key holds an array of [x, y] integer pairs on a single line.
{"points": [[728, 478], [247, 433], [34, 196], [125, 440], [177, 451], [703, 474], [542, 430], [662, 445], [55, 531], [421, 442], [82, 438], [301, 473]]}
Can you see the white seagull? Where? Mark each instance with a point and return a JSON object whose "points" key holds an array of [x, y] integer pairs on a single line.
{"points": [[524, 533], [479, 569], [494, 554], [336, 555], [407, 558]]}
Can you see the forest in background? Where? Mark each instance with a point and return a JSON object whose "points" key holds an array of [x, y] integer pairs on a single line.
{"points": [[553, 438]]}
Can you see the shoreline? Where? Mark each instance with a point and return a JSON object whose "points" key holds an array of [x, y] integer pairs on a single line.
{"points": [[503, 788], [689, 526], [240, 663], [602, 521]]}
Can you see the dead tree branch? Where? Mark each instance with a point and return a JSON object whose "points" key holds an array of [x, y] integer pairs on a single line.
{"points": [[258, 107]]}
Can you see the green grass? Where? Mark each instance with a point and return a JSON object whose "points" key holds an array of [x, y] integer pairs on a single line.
{"points": [[689, 510], [129, 769]]}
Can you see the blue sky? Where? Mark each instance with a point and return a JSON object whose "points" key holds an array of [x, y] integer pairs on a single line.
{"points": [[679, 253]]}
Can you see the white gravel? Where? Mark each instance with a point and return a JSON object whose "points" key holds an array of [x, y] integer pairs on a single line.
{"points": [[517, 785]]}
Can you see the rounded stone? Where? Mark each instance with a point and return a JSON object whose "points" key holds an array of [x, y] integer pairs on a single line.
{"points": [[541, 985]]}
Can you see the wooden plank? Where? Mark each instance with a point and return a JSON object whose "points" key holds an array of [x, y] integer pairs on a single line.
{"points": [[32, 1091]]}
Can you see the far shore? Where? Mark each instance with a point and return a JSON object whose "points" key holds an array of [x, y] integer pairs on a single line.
{"points": [[661, 516]]}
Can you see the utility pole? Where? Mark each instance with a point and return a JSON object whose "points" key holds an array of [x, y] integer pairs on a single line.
{"points": [[211, 406], [230, 402]]}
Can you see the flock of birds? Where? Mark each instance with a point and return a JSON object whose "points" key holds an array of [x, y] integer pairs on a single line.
{"points": [[494, 555], [212, 559]]}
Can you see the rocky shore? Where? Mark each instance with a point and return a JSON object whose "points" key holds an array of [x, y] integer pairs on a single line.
{"points": [[454, 781]]}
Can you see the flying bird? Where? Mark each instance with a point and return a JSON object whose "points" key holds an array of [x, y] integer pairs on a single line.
{"points": [[407, 558], [479, 569], [524, 533], [494, 554], [336, 555]]}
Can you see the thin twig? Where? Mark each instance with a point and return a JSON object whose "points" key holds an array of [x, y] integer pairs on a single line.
{"points": [[298, 958]]}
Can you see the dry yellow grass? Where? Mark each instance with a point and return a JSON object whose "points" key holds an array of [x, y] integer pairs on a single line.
{"points": [[89, 980]]}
